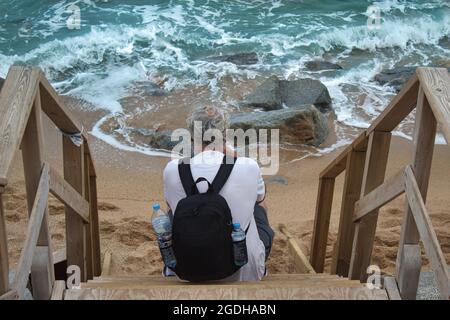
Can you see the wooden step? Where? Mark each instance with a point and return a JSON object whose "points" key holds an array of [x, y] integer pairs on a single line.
{"points": [[230, 293], [184, 285], [159, 278], [276, 286]]}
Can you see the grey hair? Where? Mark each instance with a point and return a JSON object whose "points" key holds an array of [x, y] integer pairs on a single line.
{"points": [[210, 117]]}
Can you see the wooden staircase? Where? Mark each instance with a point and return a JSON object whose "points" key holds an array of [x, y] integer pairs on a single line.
{"points": [[27, 94], [277, 286]]}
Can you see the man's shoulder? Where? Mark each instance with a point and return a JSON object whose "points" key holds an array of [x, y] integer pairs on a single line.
{"points": [[247, 164], [171, 167]]}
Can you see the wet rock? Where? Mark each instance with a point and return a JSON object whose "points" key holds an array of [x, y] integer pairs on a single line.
{"points": [[153, 138], [245, 58], [1, 82], [395, 77], [303, 124], [274, 94], [153, 89], [266, 96], [305, 91], [318, 65]]}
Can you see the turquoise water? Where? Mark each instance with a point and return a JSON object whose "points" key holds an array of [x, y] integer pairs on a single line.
{"points": [[120, 43]]}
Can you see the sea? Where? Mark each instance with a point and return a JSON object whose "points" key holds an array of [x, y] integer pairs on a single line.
{"points": [[102, 51]]}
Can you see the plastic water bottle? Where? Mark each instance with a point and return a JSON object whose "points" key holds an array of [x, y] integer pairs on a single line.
{"points": [[163, 229], [239, 245]]}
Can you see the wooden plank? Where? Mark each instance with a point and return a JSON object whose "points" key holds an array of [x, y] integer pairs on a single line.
{"points": [[275, 283], [374, 171], [87, 194], [409, 260], [16, 99], [381, 195], [33, 228], [96, 252], [158, 279], [399, 107], [427, 234], [436, 86], [4, 260], [390, 284], [301, 263], [351, 193], [58, 290], [87, 138], [59, 256], [321, 223], [75, 227], [42, 276], [360, 143], [337, 166], [65, 193], [424, 136], [10, 295], [106, 269], [243, 293], [56, 109]]}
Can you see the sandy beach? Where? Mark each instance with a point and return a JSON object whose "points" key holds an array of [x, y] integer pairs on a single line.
{"points": [[129, 182]]}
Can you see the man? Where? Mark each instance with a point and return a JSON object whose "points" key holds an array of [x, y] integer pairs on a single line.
{"points": [[244, 190]]}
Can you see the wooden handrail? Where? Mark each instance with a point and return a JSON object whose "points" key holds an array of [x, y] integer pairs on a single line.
{"points": [[34, 225], [26, 93], [64, 192], [16, 99], [383, 194], [427, 233], [435, 83], [428, 91]]}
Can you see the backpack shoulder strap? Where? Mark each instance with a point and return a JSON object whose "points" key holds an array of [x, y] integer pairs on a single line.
{"points": [[224, 172], [184, 170]]}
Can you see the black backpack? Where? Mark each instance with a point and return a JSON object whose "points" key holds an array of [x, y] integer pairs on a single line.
{"points": [[202, 227]]}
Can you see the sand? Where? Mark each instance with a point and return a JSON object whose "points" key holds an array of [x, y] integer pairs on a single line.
{"points": [[128, 183]]}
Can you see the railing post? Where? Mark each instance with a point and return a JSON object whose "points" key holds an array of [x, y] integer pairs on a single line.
{"points": [[75, 227], [351, 193], [4, 262], [96, 254], [374, 171], [321, 223], [408, 268], [87, 195], [42, 270]]}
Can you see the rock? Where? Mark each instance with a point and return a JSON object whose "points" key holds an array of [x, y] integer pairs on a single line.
{"points": [[153, 138], [396, 77], [298, 125], [266, 96], [305, 91], [274, 94], [1, 82], [244, 58], [153, 89], [318, 65], [303, 124]]}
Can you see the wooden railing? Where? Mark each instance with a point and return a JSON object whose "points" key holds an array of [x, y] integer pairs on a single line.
{"points": [[26, 93], [364, 162]]}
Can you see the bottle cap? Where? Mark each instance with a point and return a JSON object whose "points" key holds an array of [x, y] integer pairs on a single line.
{"points": [[156, 206], [236, 225]]}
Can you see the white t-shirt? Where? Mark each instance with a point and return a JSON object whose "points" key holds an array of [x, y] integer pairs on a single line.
{"points": [[243, 188]]}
